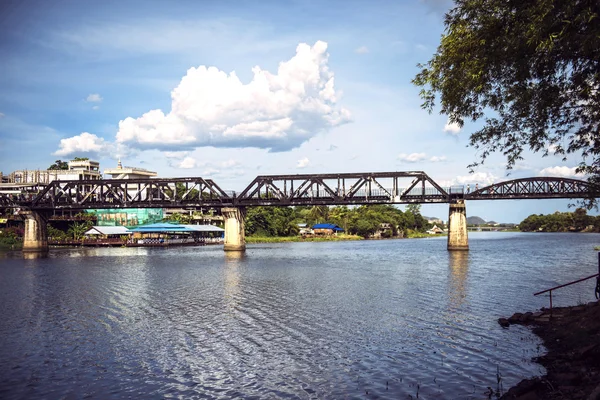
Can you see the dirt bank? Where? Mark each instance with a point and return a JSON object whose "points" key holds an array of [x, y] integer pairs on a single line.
{"points": [[572, 337]]}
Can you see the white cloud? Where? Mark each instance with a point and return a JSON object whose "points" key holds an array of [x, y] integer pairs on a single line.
{"points": [[1, 115], [481, 178], [184, 160], [561, 171], [94, 98], [187, 163], [303, 163], [437, 159], [552, 148], [412, 158], [83, 143], [212, 108], [362, 50], [451, 128], [95, 107]]}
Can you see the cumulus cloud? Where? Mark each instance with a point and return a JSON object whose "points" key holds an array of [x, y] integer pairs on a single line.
{"points": [[362, 50], [561, 171], [187, 163], [275, 111], [94, 98], [452, 128], [412, 158], [481, 178], [437, 159], [184, 160], [303, 163], [83, 143]]}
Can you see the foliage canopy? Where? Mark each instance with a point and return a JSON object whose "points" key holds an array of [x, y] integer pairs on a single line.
{"points": [[561, 222], [59, 164], [535, 65]]}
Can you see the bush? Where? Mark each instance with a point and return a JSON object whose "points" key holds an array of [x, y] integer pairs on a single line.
{"points": [[11, 237]]}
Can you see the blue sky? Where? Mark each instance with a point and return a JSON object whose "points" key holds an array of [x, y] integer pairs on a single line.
{"points": [[234, 89]]}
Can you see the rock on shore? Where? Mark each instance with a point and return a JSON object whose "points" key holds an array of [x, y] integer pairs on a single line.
{"points": [[572, 337]]}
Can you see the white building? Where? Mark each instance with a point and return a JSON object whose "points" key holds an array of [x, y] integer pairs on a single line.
{"points": [[121, 172], [78, 170]]}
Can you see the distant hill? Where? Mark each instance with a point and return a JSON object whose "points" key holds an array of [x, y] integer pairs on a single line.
{"points": [[475, 221]]}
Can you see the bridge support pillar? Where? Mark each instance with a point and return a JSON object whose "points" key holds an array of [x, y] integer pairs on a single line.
{"points": [[457, 226], [35, 237], [235, 238]]}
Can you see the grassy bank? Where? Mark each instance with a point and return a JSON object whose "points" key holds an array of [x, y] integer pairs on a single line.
{"points": [[418, 235], [285, 239]]}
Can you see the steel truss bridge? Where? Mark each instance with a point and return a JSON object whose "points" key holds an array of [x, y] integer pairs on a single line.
{"points": [[284, 190]]}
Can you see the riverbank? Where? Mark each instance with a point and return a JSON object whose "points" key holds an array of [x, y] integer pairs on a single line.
{"points": [[572, 337], [331, 238], [286, 239]]}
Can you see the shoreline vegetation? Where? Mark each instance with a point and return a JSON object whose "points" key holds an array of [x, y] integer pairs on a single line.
{"points": [[332, 238]]}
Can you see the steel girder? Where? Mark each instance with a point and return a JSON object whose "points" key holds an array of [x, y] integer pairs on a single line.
{"points": [[285, 190], [131, 193], [536, 188], [337, 189]]}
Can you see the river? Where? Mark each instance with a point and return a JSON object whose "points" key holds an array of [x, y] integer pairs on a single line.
{"points": [[367, 319]]}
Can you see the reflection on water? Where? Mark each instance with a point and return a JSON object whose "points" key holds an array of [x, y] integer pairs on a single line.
{"points": [[458, 264], [232, 283], [233, 256], [32, 255]]}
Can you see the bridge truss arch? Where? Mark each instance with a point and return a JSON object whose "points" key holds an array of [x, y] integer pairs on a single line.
{"points": [[536, 188]]}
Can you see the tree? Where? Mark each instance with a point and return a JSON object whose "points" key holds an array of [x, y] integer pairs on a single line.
{"points": [[533, 65], [77, 229], [80, 159], [418, 221], [179, 218], [58, 164], [318, 214]]}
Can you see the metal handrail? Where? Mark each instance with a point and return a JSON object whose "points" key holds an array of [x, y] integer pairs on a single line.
{"points": [[571, 283]]}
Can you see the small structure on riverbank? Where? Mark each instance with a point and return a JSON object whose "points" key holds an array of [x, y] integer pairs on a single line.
{"points": [[436, 230], [165, 233], [326, 229], [160, 234], [106, 232]]}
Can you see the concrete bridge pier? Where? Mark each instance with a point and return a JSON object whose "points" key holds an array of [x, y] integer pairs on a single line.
{"points": [[35, 238], [235, 239], [457, 226]]}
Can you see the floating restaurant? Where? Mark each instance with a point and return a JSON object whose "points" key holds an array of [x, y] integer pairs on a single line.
{"points": [[158, 234]]}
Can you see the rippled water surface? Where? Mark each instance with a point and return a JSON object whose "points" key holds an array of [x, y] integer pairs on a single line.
{"points": [[369, 319]]}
